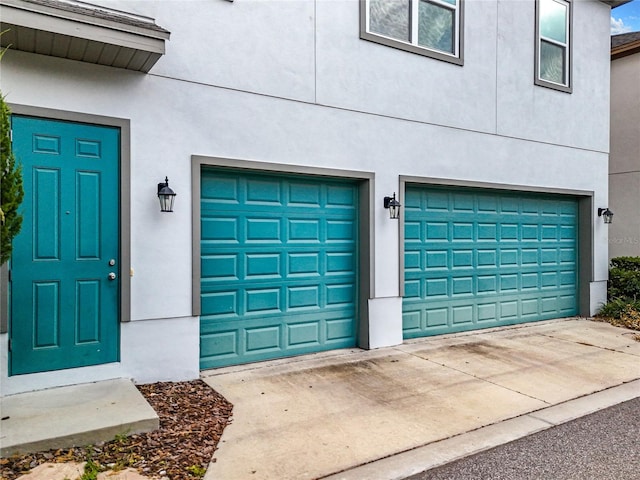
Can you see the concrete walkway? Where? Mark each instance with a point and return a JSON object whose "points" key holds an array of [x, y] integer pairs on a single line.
{"points": [[76, 415], [396, 411]]}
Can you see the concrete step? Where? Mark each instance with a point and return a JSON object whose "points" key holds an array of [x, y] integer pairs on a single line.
{"points": [[72, 416]]}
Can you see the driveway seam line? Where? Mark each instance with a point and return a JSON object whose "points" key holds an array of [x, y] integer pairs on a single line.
{"points": [[479, 378]]}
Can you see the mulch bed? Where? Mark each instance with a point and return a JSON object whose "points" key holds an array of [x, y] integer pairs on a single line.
{"points": [[192, 419]]}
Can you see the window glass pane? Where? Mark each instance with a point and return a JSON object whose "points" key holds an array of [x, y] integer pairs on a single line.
{"points": [[553, 20], [552, 62], [452, 2], [390, 18], [435, 27]]}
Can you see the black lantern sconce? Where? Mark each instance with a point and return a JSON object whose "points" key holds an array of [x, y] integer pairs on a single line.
{"points": [[166, 196], [606, 214], [393, 205]]}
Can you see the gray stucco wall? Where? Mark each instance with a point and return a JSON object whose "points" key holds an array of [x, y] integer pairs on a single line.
{"points": [[624, 160]]}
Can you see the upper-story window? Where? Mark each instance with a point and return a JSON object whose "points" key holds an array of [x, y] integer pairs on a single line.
{"points": [[553, 44], [427, 27]]}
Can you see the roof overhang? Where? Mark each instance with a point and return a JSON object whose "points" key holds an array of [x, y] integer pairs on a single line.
{"points": [[83, 32], [615, 3], [625, 50]]}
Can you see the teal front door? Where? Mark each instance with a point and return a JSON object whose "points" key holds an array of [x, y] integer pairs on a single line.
{"points": [[65, 266]]}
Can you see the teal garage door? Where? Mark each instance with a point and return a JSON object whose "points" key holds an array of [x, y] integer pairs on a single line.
{"points": [[476, 259], [278, 266]]}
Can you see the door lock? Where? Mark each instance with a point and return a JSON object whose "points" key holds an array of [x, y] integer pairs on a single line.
{"points": [[111, 276], [112, 262]]}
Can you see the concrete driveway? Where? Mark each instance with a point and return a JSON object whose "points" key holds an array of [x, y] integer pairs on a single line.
{"points": [[391, 412]]}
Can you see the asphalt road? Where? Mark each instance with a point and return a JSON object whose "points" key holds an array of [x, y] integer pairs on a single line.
{"points": [[601, 446]]}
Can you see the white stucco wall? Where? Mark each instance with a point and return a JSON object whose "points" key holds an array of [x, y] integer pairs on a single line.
{"points": [[290, 82], [150, 351]]}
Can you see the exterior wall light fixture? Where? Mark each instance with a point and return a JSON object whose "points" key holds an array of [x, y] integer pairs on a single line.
{"points": [[166, 196], [606, 214], [393, 205]]}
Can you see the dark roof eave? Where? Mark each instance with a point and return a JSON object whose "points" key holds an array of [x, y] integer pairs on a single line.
{"points": [[615, 3], [83, 32], [625, 44], [625, 50]]}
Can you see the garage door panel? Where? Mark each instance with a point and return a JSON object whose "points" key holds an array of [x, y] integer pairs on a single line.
{"points": [[509, 283], [341, 196], [487, 258], [220, 229], [483, 258], [550, 232], [461, 258], [263, 192], [487, 312], [437, 287], [436, 259], [508, 257], [303, 264], [339, 231], [278, 266], [221, 303], [231, 342], [222, 266], [304, 194], [340, 262], [303, 334], [302, 230], [222, 189], [263, 266], [304, 297], [436, 231], [509, 232], [339, 331], [219, 344]]}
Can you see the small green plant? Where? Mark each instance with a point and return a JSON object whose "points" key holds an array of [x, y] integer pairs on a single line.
{"points": [[91, 470], [615, 308], [197, 470], [623, 293]]}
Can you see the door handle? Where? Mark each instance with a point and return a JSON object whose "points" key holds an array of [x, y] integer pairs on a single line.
{"points": [[111, 276]]}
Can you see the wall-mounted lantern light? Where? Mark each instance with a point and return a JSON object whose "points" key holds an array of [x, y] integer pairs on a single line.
{"points": [[393, 205], [606, 214], [166, 196]]}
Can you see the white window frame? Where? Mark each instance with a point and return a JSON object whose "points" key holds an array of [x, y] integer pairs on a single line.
{"points": [[568, 59], [458, 35]]}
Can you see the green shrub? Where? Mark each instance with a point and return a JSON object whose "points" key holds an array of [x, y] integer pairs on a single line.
{"points": [[624, 278], [618, 307], [11, 187], [626, 263], [623, 290]]}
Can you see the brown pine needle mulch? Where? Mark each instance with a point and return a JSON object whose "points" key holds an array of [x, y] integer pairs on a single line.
{"points": [[192, 419], [630, 318]]}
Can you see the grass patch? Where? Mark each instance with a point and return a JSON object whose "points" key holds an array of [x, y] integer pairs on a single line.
{"points": [[197, 471]]}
